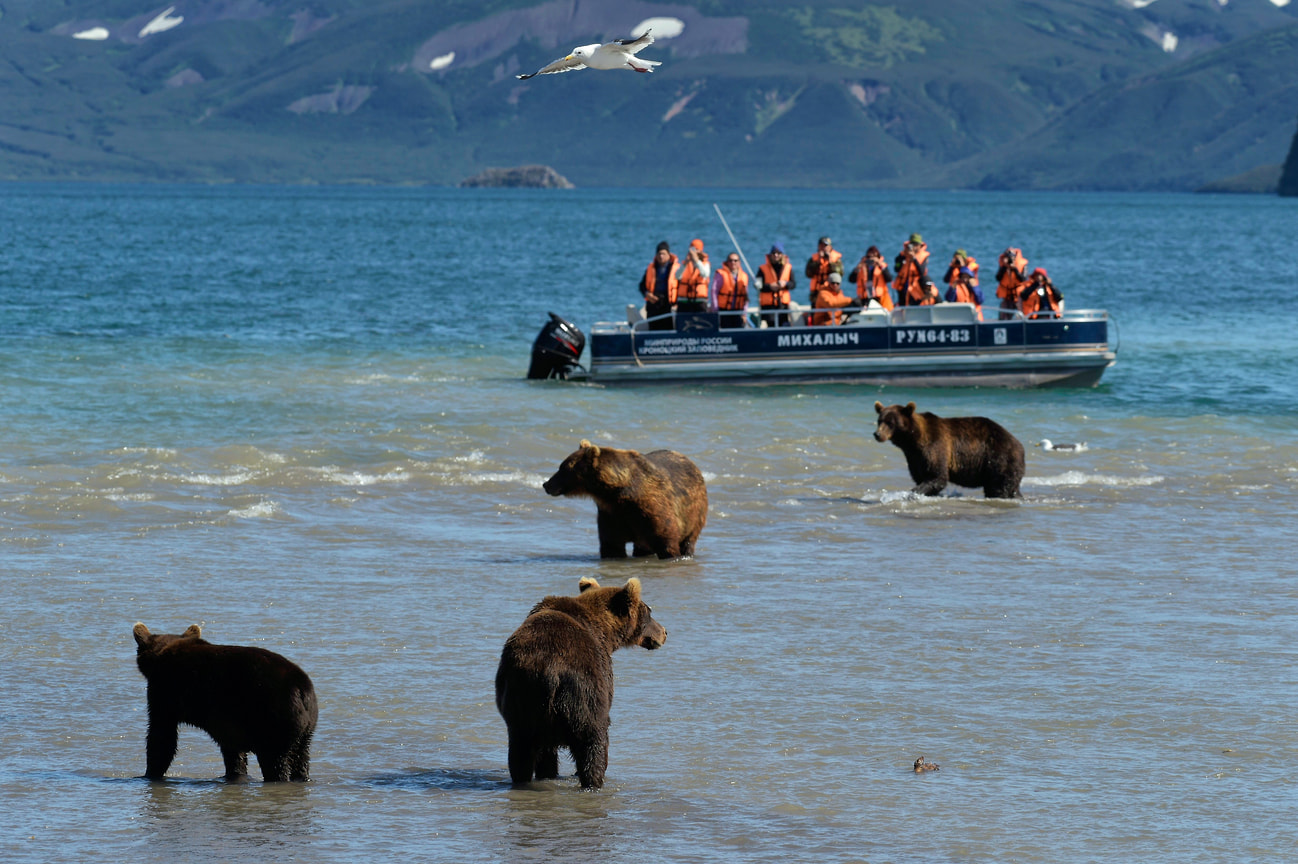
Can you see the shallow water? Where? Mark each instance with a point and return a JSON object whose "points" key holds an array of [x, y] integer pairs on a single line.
{"points": [[298, 418]]}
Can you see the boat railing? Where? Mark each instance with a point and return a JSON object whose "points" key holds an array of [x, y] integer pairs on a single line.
{"points": [[874, 316]]}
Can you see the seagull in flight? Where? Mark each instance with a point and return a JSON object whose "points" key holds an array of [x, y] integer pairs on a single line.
{"points": [[611, 55]]}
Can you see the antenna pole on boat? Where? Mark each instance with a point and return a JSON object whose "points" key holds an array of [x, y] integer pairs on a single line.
{"points": [[732, 238]]}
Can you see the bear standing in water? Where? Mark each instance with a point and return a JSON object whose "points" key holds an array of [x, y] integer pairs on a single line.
{"points": [[656, 502], [967, 451], [249, 700], [554, 686]]}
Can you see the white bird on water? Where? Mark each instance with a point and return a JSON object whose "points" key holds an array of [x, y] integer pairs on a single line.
{"points": [[610, 55], [1047, 444]]}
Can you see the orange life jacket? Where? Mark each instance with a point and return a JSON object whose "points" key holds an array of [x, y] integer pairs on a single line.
{"points": [[964, 294], [871, 285], [692, 285], [821, 279], [907, 280], [1041, 304], [1013, 279], [772, 296], [972, 264], [829, 298], [732, 297], [651, 275]]}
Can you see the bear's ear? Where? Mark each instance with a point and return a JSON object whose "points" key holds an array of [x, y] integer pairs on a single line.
{"points": [[586, 584], [632, 592], [626, 601], [878, 407], [193, 631], [910, 408], [141, 634], [594, 451]]}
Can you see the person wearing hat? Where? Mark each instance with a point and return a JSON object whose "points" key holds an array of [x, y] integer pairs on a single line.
{"points": [[692, 286], [832, 297], [912, 272], [775, 286], [826, 260], [872, 276], [658, 285], [729, 292], [1039, 298], [961, 258], [1011, 277], [964, 289]]}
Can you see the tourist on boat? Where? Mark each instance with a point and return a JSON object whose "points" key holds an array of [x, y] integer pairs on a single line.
{"points": [[1010, 279], [658, 285], [872, 276], [775, 287], [912, 272], [692, 285], [964, 289], [961, 258], [826, 260], [1040, 298], [832, 297], [729, 292]]}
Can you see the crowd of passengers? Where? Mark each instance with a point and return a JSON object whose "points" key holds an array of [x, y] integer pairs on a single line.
{"points": [[668, 287]]}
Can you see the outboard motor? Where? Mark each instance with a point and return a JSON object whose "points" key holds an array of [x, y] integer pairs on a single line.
{"points": [[556, 350]]}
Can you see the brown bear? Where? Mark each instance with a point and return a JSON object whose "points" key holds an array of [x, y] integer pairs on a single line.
{"points": [[657, 502], [249, 700], [967, 451], [554, 686]]}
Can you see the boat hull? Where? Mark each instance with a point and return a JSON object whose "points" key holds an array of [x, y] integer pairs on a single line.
{"points": [[947, 347]]}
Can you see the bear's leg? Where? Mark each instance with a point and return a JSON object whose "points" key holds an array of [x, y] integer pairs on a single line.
{"points": [[931, 487], [522, 759], [236, 764], [274, 766], [547, 763], [591, 756], [612, 540], [160, 747], [299, 759]]}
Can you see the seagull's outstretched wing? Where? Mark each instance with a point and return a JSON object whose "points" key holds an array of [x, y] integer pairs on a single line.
{"points": [[635, 46], [567, 64]]}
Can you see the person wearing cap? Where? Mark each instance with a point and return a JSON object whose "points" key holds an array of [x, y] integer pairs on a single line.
{"points": [[872, 276], [912, 272], [1039, 298], [832, 297], [961, 258], [1011, 277], [692, 286], [826, 260], [658, 285], [964, 289], [729, 292], [775, 287]]}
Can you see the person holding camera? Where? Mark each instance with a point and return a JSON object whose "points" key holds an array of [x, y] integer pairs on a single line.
{"points": [[1039, 298], [692, 284], [961, 259], [964, 289], [872, 276], [826, 260], [1010, 279], [775, 287], [912, 274]]}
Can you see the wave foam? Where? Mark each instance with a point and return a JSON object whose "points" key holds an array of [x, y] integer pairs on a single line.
{"points": [[1080, 478], [260, 510]]}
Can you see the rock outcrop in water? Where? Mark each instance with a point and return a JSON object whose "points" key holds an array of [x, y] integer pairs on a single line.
{"points": [[527, 176], [1289, 175]]}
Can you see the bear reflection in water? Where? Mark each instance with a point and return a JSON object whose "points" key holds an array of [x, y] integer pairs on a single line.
{"points": [[249, 700], [967, 451], [554, 686], [657, 501]]}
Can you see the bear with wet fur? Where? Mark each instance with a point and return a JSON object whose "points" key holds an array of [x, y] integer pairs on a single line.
{"points": [[968, 451], [554, 686], [249, 700], [657, 501]]}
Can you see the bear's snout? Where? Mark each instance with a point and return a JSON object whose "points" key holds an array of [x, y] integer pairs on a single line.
{"points": [[654, 636], [880, 435], [553, 486]]}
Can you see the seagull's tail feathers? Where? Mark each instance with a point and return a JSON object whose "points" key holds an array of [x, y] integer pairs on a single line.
{"points": [[642, 65]]}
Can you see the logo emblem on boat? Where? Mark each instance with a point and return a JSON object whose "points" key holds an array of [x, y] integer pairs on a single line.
{"points": [[999, 336]]}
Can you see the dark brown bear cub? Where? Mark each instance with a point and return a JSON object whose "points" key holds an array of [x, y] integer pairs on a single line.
{"points": [[249, 700], [967, 451], [554, 686], [657, 502]]}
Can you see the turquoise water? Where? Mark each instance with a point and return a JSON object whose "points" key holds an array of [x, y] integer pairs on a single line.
{"points": [[298, 417]]}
